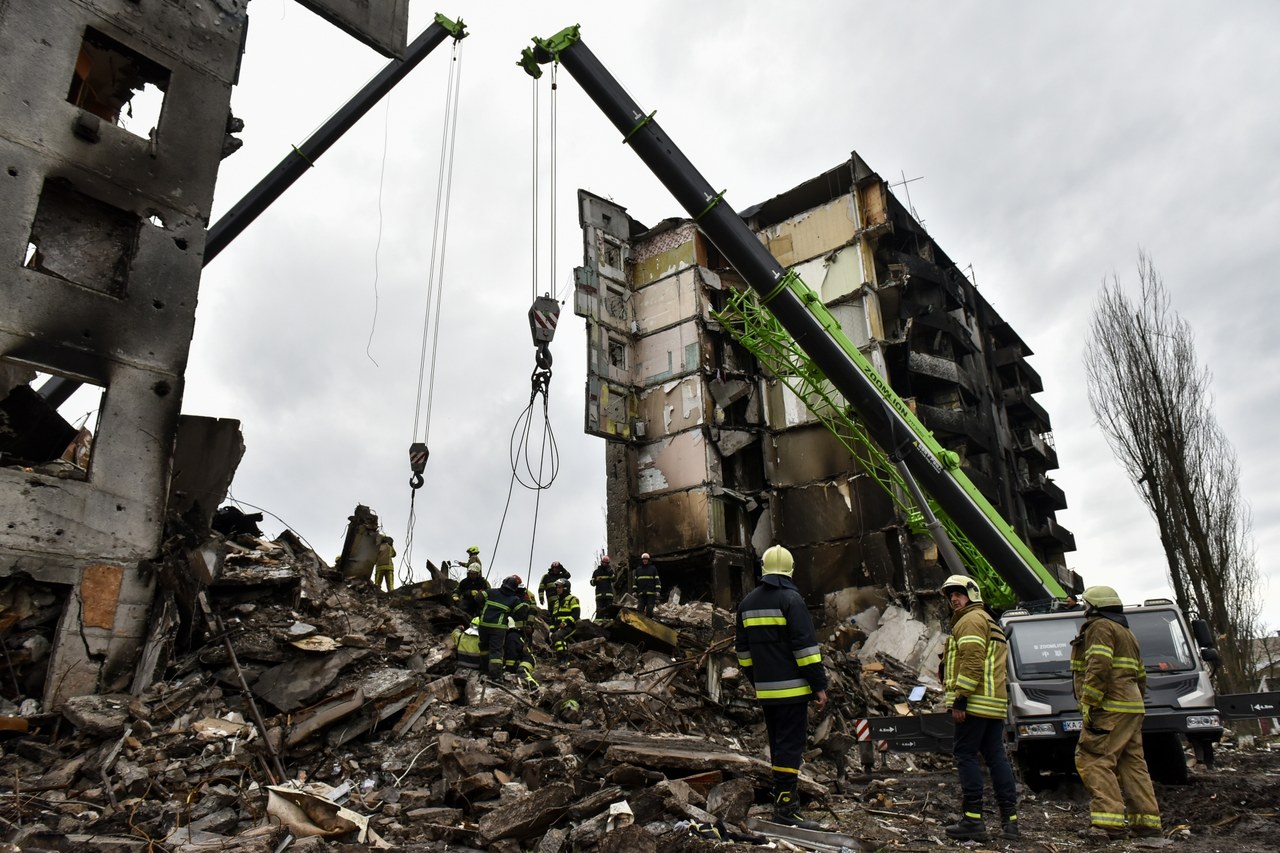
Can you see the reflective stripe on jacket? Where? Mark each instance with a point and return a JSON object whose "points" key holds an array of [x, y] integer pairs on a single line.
{"points": [[498, 605], [976, 664], [776, 644], [566, 609], [1106, 666]]}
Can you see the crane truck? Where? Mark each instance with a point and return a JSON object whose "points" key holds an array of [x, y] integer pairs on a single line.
{"points": [[1043, 721]]}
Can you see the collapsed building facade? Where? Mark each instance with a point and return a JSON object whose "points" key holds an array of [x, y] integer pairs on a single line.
{"points": [[114, 117], [710, 459]]}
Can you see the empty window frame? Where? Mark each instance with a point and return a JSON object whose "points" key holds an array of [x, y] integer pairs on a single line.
{"points": [[79, 239], [118, 84], [48, 422]]}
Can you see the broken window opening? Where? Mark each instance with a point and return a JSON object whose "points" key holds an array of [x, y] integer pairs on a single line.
{"points": [[118, 84], [81, 240], [29, 614], [617, 353], [47, 422], [611, 253]]}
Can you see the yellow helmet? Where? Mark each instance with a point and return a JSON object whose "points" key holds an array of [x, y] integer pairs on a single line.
{"points": [[778, 561], [473, 550], [1102, 596], [965, 584]]}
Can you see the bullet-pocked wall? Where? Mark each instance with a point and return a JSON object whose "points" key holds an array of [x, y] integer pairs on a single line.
{"points": [[711, 460]]}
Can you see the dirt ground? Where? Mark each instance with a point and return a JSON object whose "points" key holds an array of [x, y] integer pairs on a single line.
{"points": [[1233, 807]]}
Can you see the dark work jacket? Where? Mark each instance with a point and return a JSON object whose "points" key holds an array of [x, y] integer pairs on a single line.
{"points": [[602, 579], [776, 644], [499, 604]]}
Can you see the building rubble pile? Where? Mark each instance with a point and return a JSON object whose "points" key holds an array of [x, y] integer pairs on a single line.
{"points": [[356, 730]]}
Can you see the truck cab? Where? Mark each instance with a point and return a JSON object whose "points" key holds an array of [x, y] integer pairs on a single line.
{"points": [[1044, 722]]}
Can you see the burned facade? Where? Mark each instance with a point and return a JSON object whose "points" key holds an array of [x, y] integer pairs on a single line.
{"points": [[710, 459], [114, 117]]}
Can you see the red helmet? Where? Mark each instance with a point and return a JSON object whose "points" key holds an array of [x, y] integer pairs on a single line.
{"points": [[555, 564], [513, 581]]}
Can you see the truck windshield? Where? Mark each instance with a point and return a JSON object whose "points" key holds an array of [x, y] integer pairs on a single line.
{"points": [[1041, 648], [1163, 641]]}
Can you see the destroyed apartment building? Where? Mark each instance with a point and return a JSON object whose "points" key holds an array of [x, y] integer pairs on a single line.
{"points": [[710, 459], [114, 117]]}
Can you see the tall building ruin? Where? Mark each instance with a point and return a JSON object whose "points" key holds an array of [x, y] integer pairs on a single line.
{"points": [[114, 117], [710, 460]]}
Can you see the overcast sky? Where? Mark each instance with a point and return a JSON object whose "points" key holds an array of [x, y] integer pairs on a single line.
{"points": [[1053, 141]]}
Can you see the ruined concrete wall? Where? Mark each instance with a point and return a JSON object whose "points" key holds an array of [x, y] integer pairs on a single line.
{"points": [[104, 227]]}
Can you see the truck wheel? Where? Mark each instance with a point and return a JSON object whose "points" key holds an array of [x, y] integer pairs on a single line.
{"points": [[1166, 761]]}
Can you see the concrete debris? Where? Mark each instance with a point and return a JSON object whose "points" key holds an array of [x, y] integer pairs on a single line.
{"points": [[295, 708]]}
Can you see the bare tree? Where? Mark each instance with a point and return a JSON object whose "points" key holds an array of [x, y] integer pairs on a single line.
{"points": [[1152, 399]]}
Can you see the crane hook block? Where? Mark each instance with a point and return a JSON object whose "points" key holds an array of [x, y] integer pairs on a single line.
{"points": [[418, 454], [543, 317]]}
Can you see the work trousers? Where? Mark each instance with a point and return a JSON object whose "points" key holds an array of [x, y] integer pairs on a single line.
{"points": [[492, 642], [1111, 764], [983, 737], [387, 573], [516, 655], [647, 601], [560, 638], [788, 727], [604, 600]]}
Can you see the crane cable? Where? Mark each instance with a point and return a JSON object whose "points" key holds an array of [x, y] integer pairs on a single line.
{"points": [[542, 318], [435, 289]]}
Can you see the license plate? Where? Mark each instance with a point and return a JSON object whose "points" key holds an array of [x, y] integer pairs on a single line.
{"points": [[1072, 725]]}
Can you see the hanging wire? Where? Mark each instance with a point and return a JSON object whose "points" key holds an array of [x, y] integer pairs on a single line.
{"points": [[377, 247], [435, 288], [520, 447]]}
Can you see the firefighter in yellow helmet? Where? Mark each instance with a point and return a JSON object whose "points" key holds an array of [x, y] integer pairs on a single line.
{"points": [[976, 684], [384, 568], [1109, 679], [778, 652]]}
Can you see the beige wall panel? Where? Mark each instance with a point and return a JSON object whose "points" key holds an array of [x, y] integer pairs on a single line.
{"points": [[666, 354], [669, 301], [678, 462], [673, 407], [805, 455], [813, 233]]}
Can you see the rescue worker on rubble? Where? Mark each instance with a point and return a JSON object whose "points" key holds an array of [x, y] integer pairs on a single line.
{"points": [[975, 668], [384, 568], [602, 580], [565, 613], [471, 590], [466, 645], [546, 587], [517, 658], [778, 653], [1109, 679], [473, 558], [648, 585], [507, 601]]}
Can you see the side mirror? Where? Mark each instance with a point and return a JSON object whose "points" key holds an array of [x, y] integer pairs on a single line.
{"points": [[1204, 637]]}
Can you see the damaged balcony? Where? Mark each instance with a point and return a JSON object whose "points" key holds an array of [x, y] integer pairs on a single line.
{"points": [[1053, 534], [1041, 490], [1024, 410], [1038, 445]]}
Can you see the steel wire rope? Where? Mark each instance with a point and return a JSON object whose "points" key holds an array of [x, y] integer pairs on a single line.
{"points": [[435, 286], [540, 380]]}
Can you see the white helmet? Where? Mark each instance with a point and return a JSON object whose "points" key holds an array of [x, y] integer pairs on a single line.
{"points": [[964, 584]]}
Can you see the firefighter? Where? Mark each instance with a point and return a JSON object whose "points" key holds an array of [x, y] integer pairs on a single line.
{"points": [[384, 568], [602, 580], [546, 587], [517, 656], [1109, 679], [976, 675], [473, 557], [471, 590], [778, 652], [564, 617], [466, 644], [648, 586], [507, 601]]}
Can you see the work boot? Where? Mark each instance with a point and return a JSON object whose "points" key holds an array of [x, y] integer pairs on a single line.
{"points": [[968, 828], [1009, 826], [786, 811], [1145, 832], [1103, 834]]}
